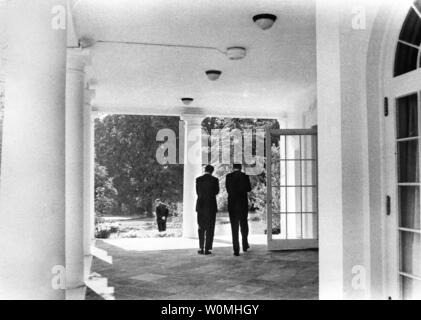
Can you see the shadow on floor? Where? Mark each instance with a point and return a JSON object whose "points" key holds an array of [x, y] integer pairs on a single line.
{"points": [[183, 274]]}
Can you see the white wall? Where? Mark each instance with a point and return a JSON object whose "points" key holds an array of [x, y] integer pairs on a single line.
{"points": [[350, 262]]}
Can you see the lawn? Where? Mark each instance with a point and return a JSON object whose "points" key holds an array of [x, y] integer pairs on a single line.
{"points": [[146, 227]]}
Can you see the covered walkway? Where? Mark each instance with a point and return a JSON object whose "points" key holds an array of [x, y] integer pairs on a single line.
{"points": [[144, 269]]}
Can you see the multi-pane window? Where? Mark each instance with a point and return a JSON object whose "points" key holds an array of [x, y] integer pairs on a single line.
{"points": [[408, 174], [408, 53]]}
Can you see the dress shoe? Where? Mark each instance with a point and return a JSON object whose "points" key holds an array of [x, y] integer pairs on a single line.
{"points": [[237, 254], [207, 252], [200, 252], [245, 248]]}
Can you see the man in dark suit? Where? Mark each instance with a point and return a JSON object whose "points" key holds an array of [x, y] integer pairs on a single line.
{"points": [[207, 187], [238, 185], [161, 215]]}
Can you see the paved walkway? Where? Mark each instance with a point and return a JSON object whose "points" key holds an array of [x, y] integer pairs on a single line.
{"points": [[144, 269]]}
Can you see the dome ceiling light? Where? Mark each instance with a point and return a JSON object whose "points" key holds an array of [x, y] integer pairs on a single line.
{"points": [[264, 20], [86, 42], [213, 75], [236, 53], [187, 101]]}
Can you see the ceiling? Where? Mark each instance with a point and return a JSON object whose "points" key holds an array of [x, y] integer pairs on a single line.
{"points": [[278, 74]]}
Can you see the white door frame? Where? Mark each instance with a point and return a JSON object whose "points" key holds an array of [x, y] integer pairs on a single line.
{"points": [[393, 88], [288, 244]]}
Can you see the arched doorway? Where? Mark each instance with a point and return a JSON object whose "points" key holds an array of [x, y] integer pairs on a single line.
{"points": [[402, 127]]}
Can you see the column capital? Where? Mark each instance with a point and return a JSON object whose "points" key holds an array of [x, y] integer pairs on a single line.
{"points": [[95, 113], [3, 61], [4, 3], [89, 96], [281, 116], [78, 59], [192, 119], [90, 82], [282, 119]]}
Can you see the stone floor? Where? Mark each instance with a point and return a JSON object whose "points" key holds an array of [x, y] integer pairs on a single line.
{"points": [[139, 271]]}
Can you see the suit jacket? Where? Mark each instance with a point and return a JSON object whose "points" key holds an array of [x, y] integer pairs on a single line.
{"points": [[207, 187], [162, 211], [238, 185]]}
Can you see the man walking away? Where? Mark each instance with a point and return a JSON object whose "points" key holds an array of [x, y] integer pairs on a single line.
{"points": [[161, 215], [207, 187], [238, 185]]}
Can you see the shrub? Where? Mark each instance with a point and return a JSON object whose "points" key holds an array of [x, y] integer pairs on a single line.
{"points": [[105, 192], [103, 230]]}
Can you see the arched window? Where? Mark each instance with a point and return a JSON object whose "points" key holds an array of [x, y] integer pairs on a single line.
{"points": [[408, 52]]}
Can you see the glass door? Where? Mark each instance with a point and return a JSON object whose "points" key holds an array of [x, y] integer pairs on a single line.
{"points": [[408, 191], [291, 206]]}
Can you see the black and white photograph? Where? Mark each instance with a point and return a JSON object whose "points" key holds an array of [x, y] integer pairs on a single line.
{"points": [[233, 152]]}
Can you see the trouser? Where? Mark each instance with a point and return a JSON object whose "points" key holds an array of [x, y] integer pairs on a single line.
{"points": [[206, 235], [239, 220], [162, 224]]}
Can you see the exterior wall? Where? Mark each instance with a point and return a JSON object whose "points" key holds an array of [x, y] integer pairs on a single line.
{"points": [[350, 156], [355, 183], [375, 141], [353, 65], [380, 63], [330, 166]]}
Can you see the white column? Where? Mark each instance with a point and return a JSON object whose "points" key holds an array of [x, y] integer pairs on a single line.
{"points": [[32, 192], [344, 203], [192, 170], [76, 62], [89, 173], [330, 150]]}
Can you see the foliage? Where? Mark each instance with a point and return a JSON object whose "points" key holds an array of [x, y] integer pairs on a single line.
{"points": [[259, 192], [128, 177], [105, 192], [257, 196], [126, 146], [103, 230]]}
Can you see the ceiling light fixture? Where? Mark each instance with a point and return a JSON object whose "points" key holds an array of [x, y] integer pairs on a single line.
{"points": [[236, 53], [264, 20], [86, 42], [213, 75], [187, 101]]}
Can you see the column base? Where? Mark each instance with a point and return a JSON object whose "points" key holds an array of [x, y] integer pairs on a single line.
{"points": [[78, 293], [87, 266], [189, 234], [190, 237]]}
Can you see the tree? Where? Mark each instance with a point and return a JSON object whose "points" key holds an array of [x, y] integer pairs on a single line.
{"points": [[257, 196], [105, 193], [126, 146]]}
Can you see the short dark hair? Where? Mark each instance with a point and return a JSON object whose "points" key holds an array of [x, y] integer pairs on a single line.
{"points": [[237, 166], [209, 169]]}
